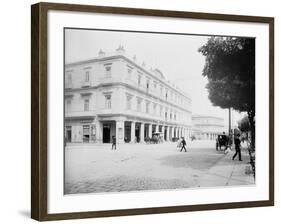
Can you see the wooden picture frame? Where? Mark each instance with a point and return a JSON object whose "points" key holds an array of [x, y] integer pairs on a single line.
{"points": [[39, 110]]}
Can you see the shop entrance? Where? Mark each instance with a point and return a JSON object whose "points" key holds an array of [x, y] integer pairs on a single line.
{"points": [[165, 134], [68, 134], [127, 132], [106, 133], [86, 133], [137, 132]]}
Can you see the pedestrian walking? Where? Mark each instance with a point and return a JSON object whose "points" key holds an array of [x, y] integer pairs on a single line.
{"points": [[237, 143], [179, 143], [113, 143], [183, 144]]}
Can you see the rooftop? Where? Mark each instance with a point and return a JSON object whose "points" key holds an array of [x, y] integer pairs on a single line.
{"points": [[121, 52], [206, 116]]}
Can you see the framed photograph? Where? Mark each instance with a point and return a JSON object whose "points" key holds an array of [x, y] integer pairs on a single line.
{"points": [[141, 111]]}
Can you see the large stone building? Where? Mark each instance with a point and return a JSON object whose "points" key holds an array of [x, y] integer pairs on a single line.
{"points": [[207, 127], [113, 95]]}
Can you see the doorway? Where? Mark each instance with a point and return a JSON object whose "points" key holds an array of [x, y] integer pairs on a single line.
{"points": [[137, 132], [86, 133], [68, 133], [106, 133], [127, 132], [165, 134]]}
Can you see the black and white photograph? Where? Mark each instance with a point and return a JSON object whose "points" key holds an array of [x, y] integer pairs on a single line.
{"points": [[148, 111]]}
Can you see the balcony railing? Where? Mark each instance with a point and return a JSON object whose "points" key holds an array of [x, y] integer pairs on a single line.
{"points": [[68, 86], [86, 84]]}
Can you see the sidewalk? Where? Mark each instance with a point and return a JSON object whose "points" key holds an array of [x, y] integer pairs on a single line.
{"points": [[132, 167], [228, 172]]}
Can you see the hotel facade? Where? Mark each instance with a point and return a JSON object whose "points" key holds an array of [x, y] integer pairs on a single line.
{"points": [[114, 95]]}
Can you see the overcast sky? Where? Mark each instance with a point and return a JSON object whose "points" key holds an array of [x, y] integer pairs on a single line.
{"points": [[176, 56]]}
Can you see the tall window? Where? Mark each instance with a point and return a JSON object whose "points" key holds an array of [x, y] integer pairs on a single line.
{"points": [[68, 105], [154, 108], [129, 102], [166, 115], [147, 84], [108, 101], [147, 107], [129, 72], [86, 104], [139, 104], [87, 76], [68, 78], [155, 85], [161, 90], [161, 111], [139, 80], [107, 70]]}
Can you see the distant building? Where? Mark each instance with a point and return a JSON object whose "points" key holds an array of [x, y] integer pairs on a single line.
{"points": [[113, 95], [207, 127]]}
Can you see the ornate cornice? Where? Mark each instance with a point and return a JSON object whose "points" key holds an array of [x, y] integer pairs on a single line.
{"points": [[135, 118]]}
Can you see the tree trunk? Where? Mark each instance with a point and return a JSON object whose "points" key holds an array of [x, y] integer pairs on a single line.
{"points": [[251, 116]]}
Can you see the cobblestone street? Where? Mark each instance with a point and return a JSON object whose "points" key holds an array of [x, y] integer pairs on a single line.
{"points": [[134, 167]]}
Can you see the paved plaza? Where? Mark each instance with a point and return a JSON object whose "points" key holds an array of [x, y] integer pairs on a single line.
{"points": [[135, 167]]}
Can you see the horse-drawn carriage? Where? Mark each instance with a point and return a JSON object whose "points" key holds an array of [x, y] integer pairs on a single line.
{"points": [[157, 137], [222, 140]]}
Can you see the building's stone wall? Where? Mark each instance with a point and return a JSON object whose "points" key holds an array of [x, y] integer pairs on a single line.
{"points": [[103, 93]]}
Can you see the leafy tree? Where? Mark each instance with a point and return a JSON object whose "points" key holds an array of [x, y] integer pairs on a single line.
{"points": [[244, 124], [230, 69]]}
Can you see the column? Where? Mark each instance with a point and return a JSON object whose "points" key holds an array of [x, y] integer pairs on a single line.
{"points": [[99, 129], [120, 132], [157, 128], [150, 130], [133, 128], [142, 132], [172, 133]]}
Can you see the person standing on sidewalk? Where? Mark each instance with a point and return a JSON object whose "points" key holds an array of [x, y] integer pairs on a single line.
{"points": [[113, 143], [237, 143], [183, 144]]}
